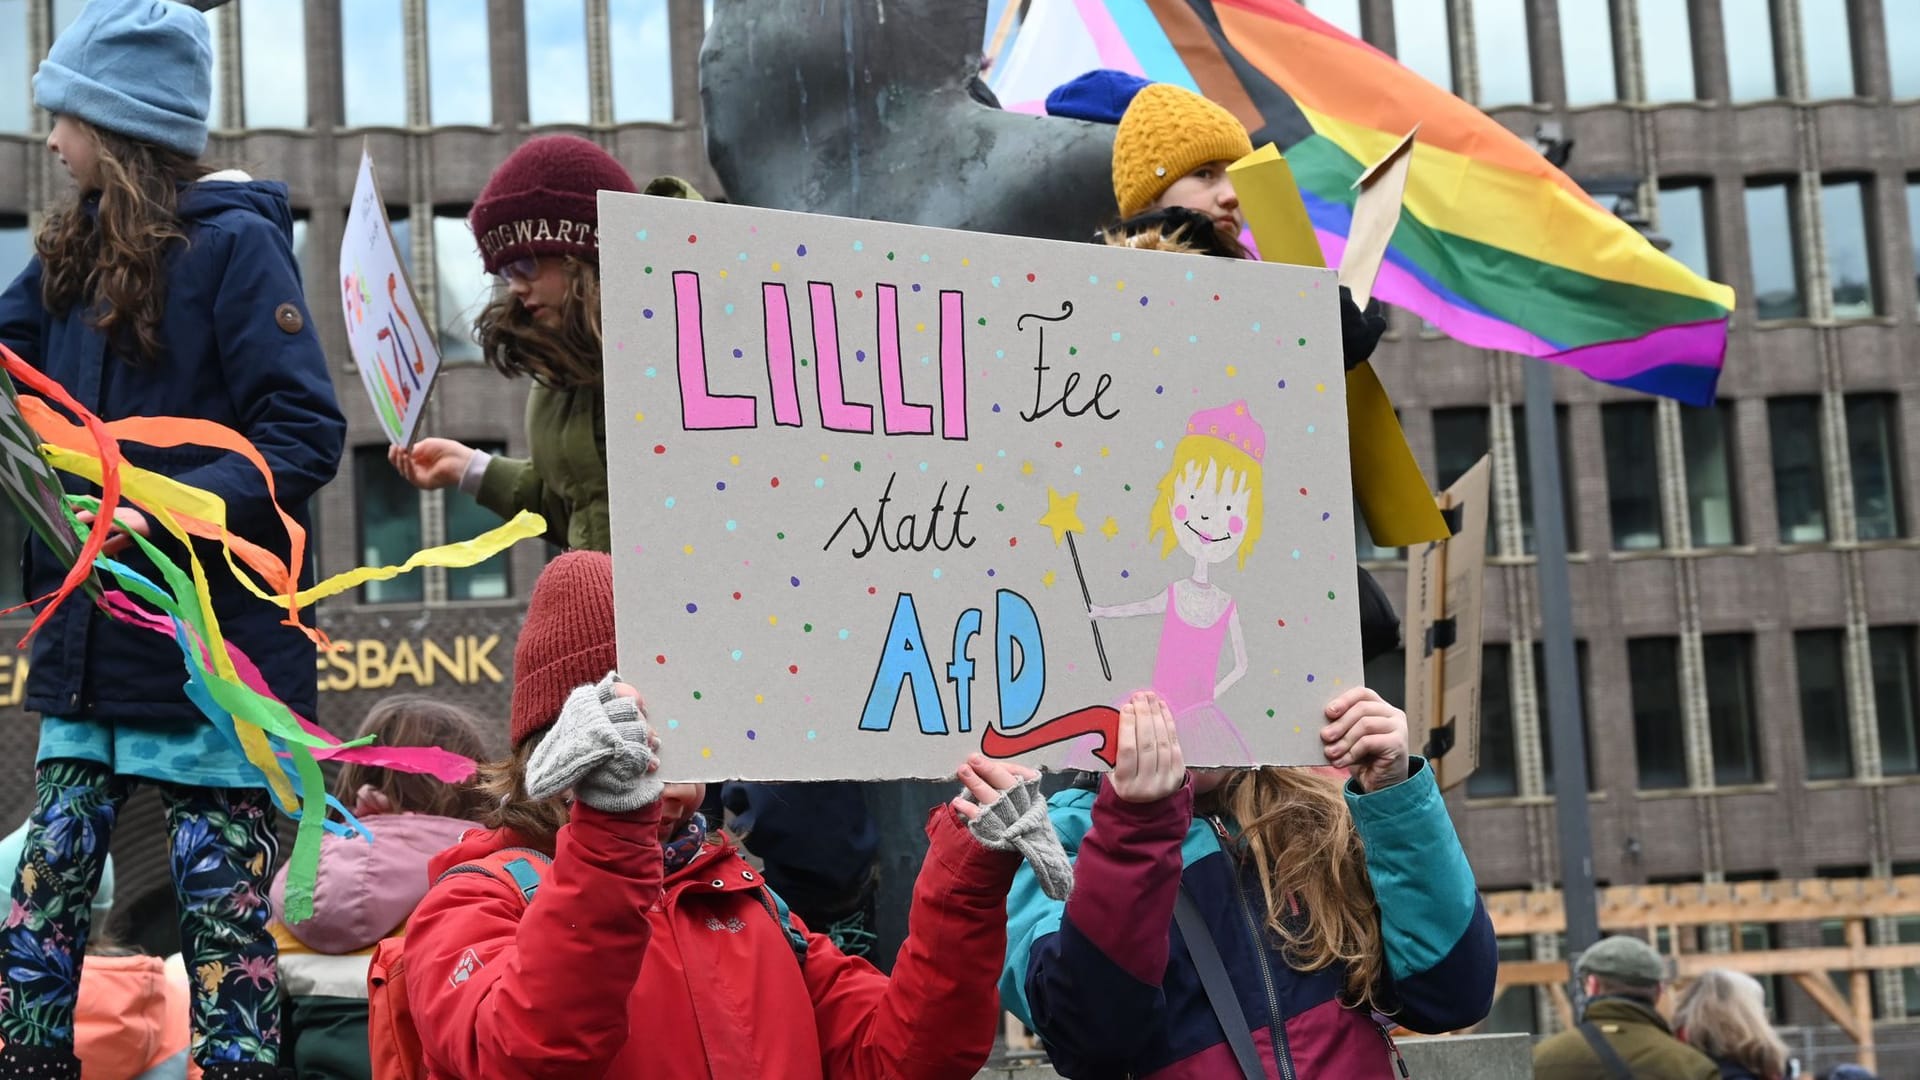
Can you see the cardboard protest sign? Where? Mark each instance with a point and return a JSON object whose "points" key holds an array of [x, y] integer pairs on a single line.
{"points": [[1444, 586], [29, 482], [392, 343], [1376, 214], [869, 479]]}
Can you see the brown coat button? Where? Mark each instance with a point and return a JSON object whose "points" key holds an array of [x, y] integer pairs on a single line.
{"points": [[289, 319]]}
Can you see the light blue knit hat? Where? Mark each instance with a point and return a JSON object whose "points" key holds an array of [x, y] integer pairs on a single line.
{"points": [[138, 68]]}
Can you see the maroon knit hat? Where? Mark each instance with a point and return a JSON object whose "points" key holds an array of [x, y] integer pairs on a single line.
{"points": [[567, 640], [544, 200]]}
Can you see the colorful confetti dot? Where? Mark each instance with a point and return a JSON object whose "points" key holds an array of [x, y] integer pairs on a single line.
{"points": [[691, 608], [659, 448], [660, 659], [793, 669], [819, 481], [794, 581], [1232, 371], [802, 252], [774, 482], [806, 628], [759, 699], [750, 734], [1309, 678], [843, 634], [1301, 342], [719, 485], [646, 313], [688, 549], [736, 654], [936, 573], [1329, 594], [732, 525], [811, 735], [693, 238], [669, 502]]}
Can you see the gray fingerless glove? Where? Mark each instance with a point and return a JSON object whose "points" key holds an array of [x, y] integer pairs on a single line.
{"points": [[599, 748], [1018, 821]]}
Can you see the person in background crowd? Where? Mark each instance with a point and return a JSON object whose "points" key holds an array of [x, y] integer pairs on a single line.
{"points": [[613, 934], [366, 890], [1621, 1034], [537, 226], [1723, 1014], [160, 288]]}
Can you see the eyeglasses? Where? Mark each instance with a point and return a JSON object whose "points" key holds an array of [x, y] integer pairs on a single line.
{"points": [[518, 270]]}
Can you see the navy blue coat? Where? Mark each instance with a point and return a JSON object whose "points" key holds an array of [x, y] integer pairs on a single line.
{"points": [[241, 351]]}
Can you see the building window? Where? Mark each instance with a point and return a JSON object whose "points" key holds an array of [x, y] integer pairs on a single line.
{"points": [[459, 63], [1706, 440], [1513, 1011], [373, 57], [1666, 51], [1849, 251], [642, 60], [1683, 221], [1500, 48], [1753, 70], [464, 287], [1363, 541], [273, 63], [298, 241], [1826, 48], [216, 28], [464, 519], [1586, 51], [1894, 699], [1913, 228], [1498, 775], [1903, 51], [1423, 41], [1731, 723], [1776, 258], [1460, 440], [16, 68], [1799, 482], [1906, 931], [1546, 711], [1344, 14], [389, 512], [1659, 738], [1873, 450], [16, 246], [1633, 475], [1527, 543], [1819, 665], [557, 62]]}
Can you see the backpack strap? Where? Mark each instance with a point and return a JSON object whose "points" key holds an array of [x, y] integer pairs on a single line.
{"points": [[1217, 985], [1610, 1059], [519, 867], [777, 907]]}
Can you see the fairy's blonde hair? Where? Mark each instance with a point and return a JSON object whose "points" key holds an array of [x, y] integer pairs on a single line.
{"points": [[1210, 460]]}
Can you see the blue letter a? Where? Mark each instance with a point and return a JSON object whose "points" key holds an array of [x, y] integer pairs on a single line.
{"points": [[905, 658]]}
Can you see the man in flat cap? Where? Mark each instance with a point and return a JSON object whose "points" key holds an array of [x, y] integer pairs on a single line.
{"points": [[1622, 1035]]}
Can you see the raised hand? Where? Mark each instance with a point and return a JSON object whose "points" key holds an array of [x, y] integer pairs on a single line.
{"points": [[431, 463], [1367, 737], [125, 520], [1148, 766]]}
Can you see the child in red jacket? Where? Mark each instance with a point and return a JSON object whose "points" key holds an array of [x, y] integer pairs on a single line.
{"points": [[649, 947]]}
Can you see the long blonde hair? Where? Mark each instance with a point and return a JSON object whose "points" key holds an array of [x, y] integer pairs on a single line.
{"points": [[1295, 826], [1723, 1014]]}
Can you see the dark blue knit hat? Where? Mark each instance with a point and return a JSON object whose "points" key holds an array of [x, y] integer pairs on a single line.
{"points": [[1101, 96]]}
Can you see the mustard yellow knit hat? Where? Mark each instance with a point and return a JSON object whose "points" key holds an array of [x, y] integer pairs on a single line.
{"points": [[1168, 132]]}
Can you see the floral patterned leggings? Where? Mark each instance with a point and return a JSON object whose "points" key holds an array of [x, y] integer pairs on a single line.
{"points": [[223, 849]]}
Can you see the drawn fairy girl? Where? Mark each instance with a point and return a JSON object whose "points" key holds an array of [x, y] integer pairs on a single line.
{"points": [[1208, 505]]}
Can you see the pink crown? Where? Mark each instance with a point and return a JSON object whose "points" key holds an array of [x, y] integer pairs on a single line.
{"points": [[1234, 424]]}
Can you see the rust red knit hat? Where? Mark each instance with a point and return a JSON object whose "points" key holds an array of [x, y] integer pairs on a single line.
{"points": [[544, 200], [567, 640]]}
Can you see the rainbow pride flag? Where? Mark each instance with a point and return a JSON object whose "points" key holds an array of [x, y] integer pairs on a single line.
{"points": [[1496, 247]]}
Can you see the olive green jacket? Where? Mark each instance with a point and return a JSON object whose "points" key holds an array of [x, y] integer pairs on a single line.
{"points": [[565, 477], [1637, 1033]]}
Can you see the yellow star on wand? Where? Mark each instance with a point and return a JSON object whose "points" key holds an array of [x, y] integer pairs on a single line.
{"points": [[1110, 528], [1063, 515]]}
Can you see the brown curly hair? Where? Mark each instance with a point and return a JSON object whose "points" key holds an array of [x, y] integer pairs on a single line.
{"points": [[565, 358], [111, 261], [1308, 855]]}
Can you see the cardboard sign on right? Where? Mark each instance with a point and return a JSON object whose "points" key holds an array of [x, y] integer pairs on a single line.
{"points": [[1444, 580]]}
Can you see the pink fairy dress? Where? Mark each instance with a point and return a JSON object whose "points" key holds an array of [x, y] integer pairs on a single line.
{"points": [[1185, 670]]}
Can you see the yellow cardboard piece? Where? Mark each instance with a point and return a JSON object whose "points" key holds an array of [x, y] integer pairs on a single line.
{"points": [[1376, 213], [1393, 494], [1270, 199]]}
